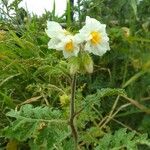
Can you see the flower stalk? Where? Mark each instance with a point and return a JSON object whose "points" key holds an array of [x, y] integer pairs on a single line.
{"points": [[72, 112]]}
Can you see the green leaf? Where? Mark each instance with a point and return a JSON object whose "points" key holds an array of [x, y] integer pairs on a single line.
{"points": [[122, 139], [43, 124], [94, 99], [104, 92]]}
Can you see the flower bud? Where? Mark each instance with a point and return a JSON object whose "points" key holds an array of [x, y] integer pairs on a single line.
{"points": [[88, 63], [126, 31], [64, 99]]}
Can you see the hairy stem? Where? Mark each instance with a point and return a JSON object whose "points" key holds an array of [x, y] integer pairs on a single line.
{"points": [[72, 112]]}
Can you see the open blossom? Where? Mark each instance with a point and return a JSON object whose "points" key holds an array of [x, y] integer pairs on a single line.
{"points": [[61, 40], [69, 46], [94, 35]]}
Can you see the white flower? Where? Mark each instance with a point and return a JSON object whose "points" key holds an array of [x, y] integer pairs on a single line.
{"points": [[69, 46], [95, 37], [61, 40]]}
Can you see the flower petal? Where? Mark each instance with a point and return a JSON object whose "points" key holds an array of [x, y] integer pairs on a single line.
{"points": [[88, 47], [53, 29], [53, 43]]}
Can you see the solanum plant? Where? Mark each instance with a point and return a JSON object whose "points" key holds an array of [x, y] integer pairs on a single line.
{"points": [[92, 38]]}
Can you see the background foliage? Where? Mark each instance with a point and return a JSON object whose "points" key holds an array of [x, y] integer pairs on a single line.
{"points": [[112, 103]]}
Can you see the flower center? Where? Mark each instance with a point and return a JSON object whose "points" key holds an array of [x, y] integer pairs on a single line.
{"points": [[69, 46], [96, 38]]}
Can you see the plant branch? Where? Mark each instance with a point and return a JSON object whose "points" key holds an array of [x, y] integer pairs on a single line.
{"points": [[137, 104], [106, 119], [109, 117]]}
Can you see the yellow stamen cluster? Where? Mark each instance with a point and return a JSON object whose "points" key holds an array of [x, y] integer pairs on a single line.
{"points": [[69, 46], [96, 38]]}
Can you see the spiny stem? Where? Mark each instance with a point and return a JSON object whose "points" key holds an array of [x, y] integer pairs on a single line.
{"points": [[72, 112]]}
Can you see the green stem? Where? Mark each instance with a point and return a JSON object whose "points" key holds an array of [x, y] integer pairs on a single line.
{"points": [[72, 112], [79, 13]]}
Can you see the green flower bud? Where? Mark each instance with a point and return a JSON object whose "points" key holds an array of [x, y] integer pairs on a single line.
{"points": [[64, 99], [87, 63]]}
